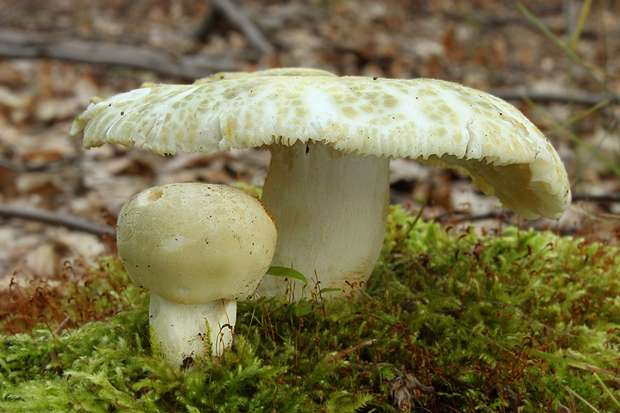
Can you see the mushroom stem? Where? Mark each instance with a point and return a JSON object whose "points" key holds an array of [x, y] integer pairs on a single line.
{"points": [[330, 209], [185, 333]]}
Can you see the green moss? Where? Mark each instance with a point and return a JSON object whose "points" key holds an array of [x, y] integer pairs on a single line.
{"points": [[208, 344], [153, 341], [449, 322]]}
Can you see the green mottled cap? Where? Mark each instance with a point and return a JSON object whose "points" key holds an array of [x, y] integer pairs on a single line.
{"points": [[432, 121]]}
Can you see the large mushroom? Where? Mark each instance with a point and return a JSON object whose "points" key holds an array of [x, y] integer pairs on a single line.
{"points": [[331, 139], [198, 248]]}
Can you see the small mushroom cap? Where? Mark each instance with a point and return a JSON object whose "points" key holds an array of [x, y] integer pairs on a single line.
{"points": [[432, 121], [193, 243]]}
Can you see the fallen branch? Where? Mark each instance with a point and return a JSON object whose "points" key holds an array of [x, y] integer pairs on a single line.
{"points": [[578, 98], [458, 216], [46, 167], [597, 198], [54, 218], [240, 21], [43, 45]]}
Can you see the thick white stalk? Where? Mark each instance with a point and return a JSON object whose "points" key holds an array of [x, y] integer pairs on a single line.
{"points": [[184, 334], [330, 210]]}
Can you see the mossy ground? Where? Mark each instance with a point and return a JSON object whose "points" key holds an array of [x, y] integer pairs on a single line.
{"points": [[449, 322]]}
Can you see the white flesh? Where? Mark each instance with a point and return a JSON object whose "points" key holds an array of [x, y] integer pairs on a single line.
{"points": [[330, 210], [186, 334]]}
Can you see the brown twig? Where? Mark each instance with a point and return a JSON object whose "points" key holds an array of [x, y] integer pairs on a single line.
{"points": [[53, 218], [240, 21], [467, 216], [46, 167], [350, 350], [62, 325], [39, 45], [597, 198]]}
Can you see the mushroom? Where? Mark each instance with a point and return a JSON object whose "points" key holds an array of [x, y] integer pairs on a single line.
{"points": [[198, 248], [331, 139]]}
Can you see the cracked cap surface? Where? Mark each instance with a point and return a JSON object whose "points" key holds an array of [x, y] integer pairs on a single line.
{"points": [[432, 121]]}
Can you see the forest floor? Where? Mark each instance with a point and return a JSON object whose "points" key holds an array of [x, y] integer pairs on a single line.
{"points": [[489, 45], [451, 318]]}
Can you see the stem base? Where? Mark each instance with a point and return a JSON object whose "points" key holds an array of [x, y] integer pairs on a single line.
{"points": [[184, 334]]}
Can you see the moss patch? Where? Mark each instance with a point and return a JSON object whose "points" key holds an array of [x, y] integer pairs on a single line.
{"points": [[449, 322]]}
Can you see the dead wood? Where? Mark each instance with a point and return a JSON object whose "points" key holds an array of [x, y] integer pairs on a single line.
{"points": [[577, 98], [54, 218], [239, 20], [46, 167], [43, 45]]}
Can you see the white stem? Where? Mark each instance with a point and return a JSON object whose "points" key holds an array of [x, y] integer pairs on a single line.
{"points": [[184, 334], [330, 210]]}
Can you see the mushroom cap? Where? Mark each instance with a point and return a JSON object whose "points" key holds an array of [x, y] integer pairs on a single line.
{"points": [[193, 243], [432, 121]]}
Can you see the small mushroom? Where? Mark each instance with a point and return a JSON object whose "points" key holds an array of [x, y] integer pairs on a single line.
{"points": [[331, 139], [198, 248]]}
